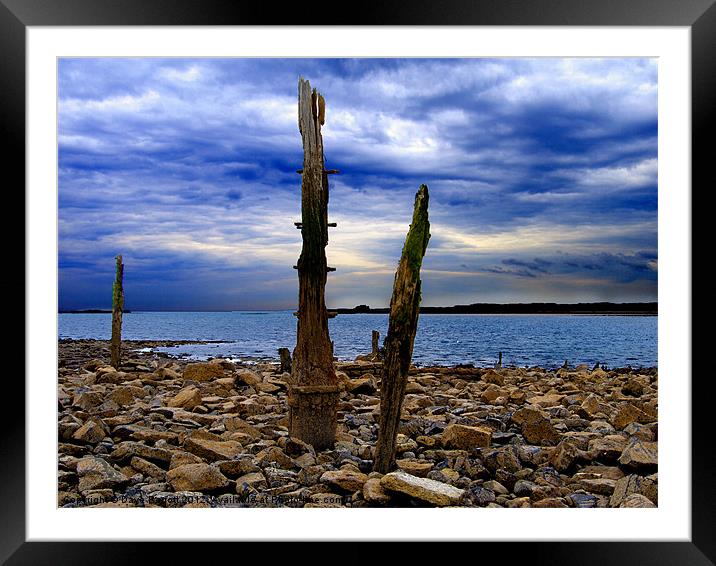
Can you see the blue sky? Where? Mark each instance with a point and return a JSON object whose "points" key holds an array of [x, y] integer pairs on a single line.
{"points": [[542, 177]]}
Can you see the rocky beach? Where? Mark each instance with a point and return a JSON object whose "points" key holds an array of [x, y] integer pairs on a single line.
{"points": [[168, 432]]}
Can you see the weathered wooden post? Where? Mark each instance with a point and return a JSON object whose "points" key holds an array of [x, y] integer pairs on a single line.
{"points": [[285, 356], [115, 348], [402, 325], [375, 349], [313, 391]]}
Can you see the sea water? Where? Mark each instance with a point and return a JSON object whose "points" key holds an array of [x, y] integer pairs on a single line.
{"points": [[442, 339]]}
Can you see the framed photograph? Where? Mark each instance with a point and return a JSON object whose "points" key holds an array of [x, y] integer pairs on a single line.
{"points": [[423, 275]]}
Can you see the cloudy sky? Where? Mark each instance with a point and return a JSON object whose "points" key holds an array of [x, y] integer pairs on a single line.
{"points": [[542, 177]]}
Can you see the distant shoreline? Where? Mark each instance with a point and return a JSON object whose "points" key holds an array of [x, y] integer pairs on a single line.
{"points": [[605, 309], [593, 309]]}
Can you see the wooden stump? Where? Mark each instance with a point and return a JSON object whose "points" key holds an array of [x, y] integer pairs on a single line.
{"points": [[375, 348], [402, 325], [313, 391], [115, 347], [285, 356]]}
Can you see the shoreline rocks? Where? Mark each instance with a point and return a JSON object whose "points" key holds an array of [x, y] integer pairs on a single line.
{"points": [[161, 432]]}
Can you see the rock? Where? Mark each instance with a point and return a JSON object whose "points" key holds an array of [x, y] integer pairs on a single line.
{"points": [[504, 458], [86, 400], [633, 387], [166, 373], [607, 448], [373, 492], [187, 398], [481, 495], [196, 477], [415, 467], [276, 455], [365, 384], [491, 376], [464, 437], [137, 432], [639, 454], [212, 450], [627, 413], [125, 451], [255, 480], [518, 503], [591, 404], [583, 500], [549, 502], [600, 486], [92, 431], [605, 472], [124, 396], [247, 377], [524, 488], [347, 480], [236, 468], [535, 426], [550, 400], [184, 458], [636, 500], [147, 468], [642, 432], [97, 473], [430, 491], [631, 484], [565, 456], [110, 375], [203, 372]]}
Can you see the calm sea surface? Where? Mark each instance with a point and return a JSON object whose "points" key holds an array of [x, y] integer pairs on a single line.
{"points": [[442, 339]]}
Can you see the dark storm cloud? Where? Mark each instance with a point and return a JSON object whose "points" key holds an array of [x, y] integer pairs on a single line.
{"points": [[542, 175]]}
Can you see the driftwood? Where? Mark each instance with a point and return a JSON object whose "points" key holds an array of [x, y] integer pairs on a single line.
{"points": [[115, 347], [402, 325], [313, 391]]}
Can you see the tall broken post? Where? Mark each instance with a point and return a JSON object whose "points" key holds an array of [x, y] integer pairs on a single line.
{"points": [[313, 391], [402, 325], [115, 348]]}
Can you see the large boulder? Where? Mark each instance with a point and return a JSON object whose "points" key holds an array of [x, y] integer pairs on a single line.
{"points": [[430, 491]]}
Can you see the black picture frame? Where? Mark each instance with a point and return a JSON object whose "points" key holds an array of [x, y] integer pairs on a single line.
{"points": [[699, 15]]}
